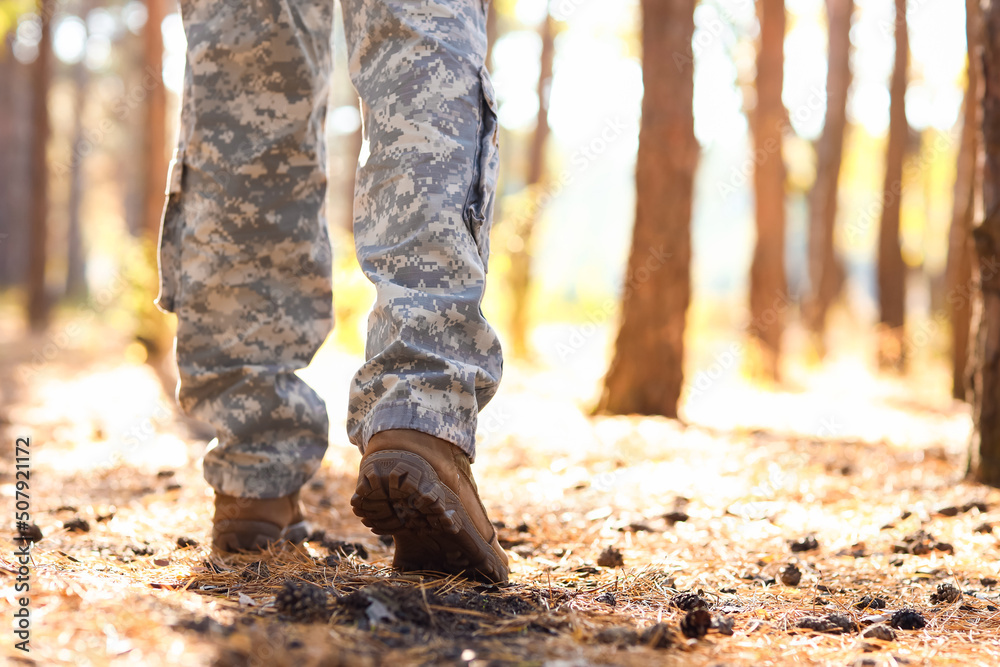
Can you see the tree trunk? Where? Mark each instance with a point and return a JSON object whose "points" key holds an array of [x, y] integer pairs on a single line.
{"points": [[494, 27], [984, 463], [768, 289], [536, 158], [155, 152], [646, 373], [38, 302], [960, 249], [826, 273], [154, 329], [519, 276], [7, 136], [891, 269], [76, 266], [15, 161]]}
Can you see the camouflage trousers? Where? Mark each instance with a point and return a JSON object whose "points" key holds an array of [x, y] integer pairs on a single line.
{"points": [[245, 256]]}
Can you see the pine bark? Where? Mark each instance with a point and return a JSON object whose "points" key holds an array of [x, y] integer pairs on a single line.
{"points": [[826, 272], [646, 373], [768, 287], [891, 268], [961, 253], [984, 464], [38, 301]]}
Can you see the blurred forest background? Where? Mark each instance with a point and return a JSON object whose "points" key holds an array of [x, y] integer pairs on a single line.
{"points": [[803, 187], [745, 273]]}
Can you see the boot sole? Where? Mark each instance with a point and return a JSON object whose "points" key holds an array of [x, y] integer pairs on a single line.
{"points": [[400, 494]]}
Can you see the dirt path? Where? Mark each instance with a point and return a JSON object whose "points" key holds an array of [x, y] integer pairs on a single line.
{"points": [[632, 540]]}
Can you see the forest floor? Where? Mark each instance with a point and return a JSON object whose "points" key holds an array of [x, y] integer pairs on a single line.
{"points": [[768, 528]]}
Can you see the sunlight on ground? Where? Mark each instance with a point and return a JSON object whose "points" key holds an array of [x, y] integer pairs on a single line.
{"points": [[859, 460], [117, 412]]}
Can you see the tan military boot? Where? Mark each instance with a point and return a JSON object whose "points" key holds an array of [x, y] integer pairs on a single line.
{"points": [[420, 490], [251, 524]]}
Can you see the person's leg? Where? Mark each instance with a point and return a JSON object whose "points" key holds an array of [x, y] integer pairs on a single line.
{"points": [[245, 253], [423, 207], [422, 214]]}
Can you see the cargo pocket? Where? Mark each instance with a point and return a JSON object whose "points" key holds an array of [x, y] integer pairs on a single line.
{"points": [[171, 229], [479, 203]]}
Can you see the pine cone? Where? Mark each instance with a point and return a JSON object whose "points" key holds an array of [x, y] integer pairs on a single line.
{"points": [[696, 623], [870, 602], [831, 624], [791, 575], [807, 543], [301, 602], [689, 601], [77, 525], [907, 619], [28, 532], [611, 557], [946, 594]]}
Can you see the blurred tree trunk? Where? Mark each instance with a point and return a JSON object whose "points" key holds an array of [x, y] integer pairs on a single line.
{"points": [[519, 276], [154, 329], [76, 282], [960, 249], [536, 156], [38, 302], [130, 166], [984, 461], [494, 29], [891, 269], [7, 136], [826, 272], [15, 160], [646, 373], [155, 153], [768, 289]]}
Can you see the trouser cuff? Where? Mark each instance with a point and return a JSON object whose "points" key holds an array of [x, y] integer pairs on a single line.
{"points": [[263, 479], [407, 415]]}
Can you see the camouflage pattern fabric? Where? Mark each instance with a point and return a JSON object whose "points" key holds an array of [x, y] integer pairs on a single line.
{"points": [[245, 254]]}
